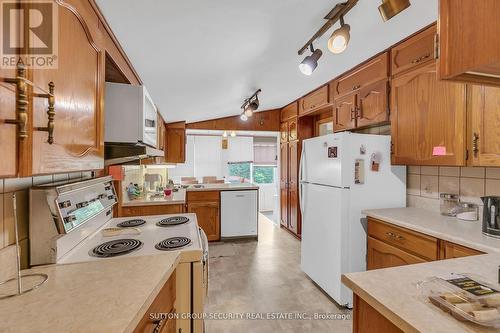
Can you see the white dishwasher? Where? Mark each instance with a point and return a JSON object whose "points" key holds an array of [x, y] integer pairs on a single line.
{"points": [[239, 213]]}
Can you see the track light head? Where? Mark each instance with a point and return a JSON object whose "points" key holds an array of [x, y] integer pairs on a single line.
{"points": [[309, 64], [338, 41], [248, 112], [254, 105], [390, 8], [243, 117]]}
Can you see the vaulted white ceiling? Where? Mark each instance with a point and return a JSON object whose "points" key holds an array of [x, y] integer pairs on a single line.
{"points": [[200, 59]]}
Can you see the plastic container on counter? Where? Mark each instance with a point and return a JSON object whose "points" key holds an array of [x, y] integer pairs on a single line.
{"points": [[448, 204], [466, 297]]}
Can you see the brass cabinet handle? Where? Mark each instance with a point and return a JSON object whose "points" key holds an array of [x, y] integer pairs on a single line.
{"points": [[21, 102], [475, 143], [51, 113], [158, 326], [417, 60], [353, 114], [356, 87]]}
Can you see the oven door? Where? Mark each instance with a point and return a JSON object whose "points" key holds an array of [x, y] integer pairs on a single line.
{"points": [[204, 242]]}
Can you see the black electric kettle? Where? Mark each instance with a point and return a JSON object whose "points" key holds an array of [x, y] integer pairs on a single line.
{"points": [[491, 216]]}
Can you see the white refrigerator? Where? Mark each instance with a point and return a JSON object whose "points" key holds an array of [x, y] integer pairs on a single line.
{"points": [[340, 175]]}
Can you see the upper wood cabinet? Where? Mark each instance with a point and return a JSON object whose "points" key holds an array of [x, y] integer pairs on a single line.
{"points": [[79, 83], [292, 130], [372, 104], [428, 119], [289, 111], [314, 101], [284, 132], [175, 144], [415, 51], [469, 49], [374, 70], [485, 126], [344, 117], [8, 132]]}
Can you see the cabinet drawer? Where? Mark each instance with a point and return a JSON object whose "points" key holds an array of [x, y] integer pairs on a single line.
{"points": [[203, 196], [373, 71], [314, 100], [452, 250], [289, 111], [383, 255], [419, 244], [413, 52]]}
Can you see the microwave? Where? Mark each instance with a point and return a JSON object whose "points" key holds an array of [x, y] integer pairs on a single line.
{"points": [[130, 115]]}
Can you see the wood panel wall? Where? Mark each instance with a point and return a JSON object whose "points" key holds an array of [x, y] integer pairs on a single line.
{"points": [[261, 121]]}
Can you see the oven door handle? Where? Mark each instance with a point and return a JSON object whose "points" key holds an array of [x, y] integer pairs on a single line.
{"points": [[204, 244]]}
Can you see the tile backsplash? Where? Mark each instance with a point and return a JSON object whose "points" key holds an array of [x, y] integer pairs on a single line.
{"points": [[425, 183], [20, 186]]}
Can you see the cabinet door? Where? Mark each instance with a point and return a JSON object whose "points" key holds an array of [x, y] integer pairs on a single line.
{"points": [[372, 105], [79, 83], [8, 136], [289, 111], [485, 126], [292, 129], [368, 73], [414, 52], [383, 255], [427, 119], [284, 132], [315, 100], [207, 214], [468, 41], [176, 145], [284, 184], [293, 194], [345, 109]]}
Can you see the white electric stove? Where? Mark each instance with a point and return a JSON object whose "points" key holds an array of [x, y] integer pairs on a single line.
{"points": [[73, 223]]}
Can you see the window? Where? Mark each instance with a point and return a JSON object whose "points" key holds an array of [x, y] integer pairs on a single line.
{"points": [[263, 174], [240, 169]]}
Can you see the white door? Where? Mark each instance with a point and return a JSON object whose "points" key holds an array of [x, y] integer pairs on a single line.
{"points": [[321, 160], [324, 209]]}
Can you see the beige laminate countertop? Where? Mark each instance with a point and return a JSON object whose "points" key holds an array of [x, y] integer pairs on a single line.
{"points": [[105, 296], [393, 292], [179, 197], [466, 233]]}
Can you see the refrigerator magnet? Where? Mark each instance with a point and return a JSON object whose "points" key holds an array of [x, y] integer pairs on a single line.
{"points": [[375, 161]]}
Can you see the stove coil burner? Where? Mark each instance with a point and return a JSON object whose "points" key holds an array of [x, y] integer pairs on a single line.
{"points": [[115, 248], [131, 223], [172, 243], [175, 220]]}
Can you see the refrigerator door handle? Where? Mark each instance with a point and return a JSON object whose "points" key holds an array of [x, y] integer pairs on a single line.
{"points": [[301, 204]]}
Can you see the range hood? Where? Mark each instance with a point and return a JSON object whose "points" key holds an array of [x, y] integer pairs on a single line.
{"points": [[121, 153]]}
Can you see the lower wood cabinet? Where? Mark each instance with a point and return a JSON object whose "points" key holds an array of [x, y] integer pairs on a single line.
{"points": [[389, 246], [206, 206], [160, 316], [368, 320], [150, 210]]}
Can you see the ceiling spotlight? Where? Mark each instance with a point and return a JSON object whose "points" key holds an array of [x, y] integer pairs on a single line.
{"points": [[390, 8], [254, 105], [337, 43], [309, 64], [224, 135], [250, 105], [243, 117], [233, 134]]}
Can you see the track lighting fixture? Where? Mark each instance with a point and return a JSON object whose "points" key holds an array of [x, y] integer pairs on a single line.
{"points": [[390, 8], [337, 43], [309, 64], [224, 135], [233, 134], [250, 105]]}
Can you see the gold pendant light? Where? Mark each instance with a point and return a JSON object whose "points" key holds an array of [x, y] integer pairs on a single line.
{"points": [[390, 8]]}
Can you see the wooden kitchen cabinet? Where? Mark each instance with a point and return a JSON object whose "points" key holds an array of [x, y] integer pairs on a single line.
{"points": [[78, 92], [368, 320], [383, 255], [284, 184], [314, 101], [175, 144], [293, 188], [484, 130], [344, 114], [414, 52], [370, 72], [469, 49], [163, 304], [8, 132], [284, 132], [292, 129], [428, 119], [451, 250], [289, 111], [372, 104], [150, 210], [206, 206]]}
